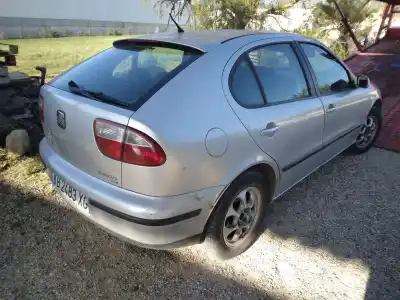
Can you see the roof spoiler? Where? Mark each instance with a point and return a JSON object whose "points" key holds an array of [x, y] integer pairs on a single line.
{"points": [[129, 43]]}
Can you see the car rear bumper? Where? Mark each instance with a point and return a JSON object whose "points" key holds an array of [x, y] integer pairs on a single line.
{"points": [[153, 222]]}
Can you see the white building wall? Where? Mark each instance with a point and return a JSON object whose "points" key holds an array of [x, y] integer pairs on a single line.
{"points": [[43, 18], [140, 11]]}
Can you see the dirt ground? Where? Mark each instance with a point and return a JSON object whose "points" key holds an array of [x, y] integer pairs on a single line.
{"points": [[334, 236]]}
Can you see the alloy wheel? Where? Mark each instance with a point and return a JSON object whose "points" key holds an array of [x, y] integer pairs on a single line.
{"points": [[367, 133], [242, 215]]}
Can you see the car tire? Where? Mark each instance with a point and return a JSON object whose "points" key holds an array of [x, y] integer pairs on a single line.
{"points": [[374, 118], [247, 190]]}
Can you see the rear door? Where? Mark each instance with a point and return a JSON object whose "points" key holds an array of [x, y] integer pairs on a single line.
{"points": [[275, 99], [345, 105]]}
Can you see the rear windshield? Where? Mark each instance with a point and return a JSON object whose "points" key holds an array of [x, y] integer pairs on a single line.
{"points": [[130, 74]]}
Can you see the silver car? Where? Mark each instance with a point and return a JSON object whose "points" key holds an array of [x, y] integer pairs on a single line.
{"points": [[168, 139]]}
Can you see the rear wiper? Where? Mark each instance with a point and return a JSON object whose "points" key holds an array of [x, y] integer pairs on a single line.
{"points": [[75, 88]]}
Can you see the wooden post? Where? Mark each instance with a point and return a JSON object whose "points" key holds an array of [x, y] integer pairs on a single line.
{"points": [[348, 27], [386, 12]]}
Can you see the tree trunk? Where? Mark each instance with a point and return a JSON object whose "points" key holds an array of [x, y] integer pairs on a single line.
{"points": [[348, 27]]}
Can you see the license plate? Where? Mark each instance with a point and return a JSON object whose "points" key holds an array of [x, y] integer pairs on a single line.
{"points": [[76, 198]]}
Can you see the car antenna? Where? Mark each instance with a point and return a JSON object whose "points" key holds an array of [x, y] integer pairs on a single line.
{"points": [[180, 30]]}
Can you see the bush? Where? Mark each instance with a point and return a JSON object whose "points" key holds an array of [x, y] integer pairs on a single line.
{"points": [[55, 34], [115, 32], [323, 36]]}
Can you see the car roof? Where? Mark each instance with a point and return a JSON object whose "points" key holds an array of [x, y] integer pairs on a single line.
{"points": [[205, 40]]}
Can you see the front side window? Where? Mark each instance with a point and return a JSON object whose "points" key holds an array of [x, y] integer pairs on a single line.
{"points": [[331, 75], [280, 73]]}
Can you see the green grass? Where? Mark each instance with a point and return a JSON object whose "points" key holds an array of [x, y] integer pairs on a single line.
{"points": [[57, 54]]}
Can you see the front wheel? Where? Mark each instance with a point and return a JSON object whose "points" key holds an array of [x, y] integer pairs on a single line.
{"points": [[369, 132], [237, 221]]}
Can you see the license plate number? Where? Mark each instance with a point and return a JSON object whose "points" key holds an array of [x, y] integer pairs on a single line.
{"points": [[79, 200]]}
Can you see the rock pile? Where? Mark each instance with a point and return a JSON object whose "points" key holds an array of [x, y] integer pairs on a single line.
{"points": [[20, 128]]}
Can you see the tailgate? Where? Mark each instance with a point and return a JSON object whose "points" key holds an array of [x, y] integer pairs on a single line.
{"points": [[68, 126]]}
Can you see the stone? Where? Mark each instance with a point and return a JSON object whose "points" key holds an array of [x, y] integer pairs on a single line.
{"points": [[4, 82], [18, 142], [19, 78], [6, 94], [3, 71], [13, 106]]}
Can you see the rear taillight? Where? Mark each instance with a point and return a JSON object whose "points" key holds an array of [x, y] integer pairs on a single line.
{"points": [[123, 143], [41, 108], [109, 138], [140, 149]]}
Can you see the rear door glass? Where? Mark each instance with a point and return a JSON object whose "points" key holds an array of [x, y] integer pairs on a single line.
{"points": [[128, 74], [280, 73]]}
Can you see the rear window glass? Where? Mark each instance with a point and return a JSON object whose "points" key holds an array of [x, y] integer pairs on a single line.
{"points": [[244, 86], [128, 74]]}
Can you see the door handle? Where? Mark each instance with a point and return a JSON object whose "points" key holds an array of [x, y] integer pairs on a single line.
{"points": [[269, 130], [331, 108]]}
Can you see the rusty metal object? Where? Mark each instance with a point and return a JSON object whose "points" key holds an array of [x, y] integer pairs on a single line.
{"points": [[9, 52], [42, 77]]}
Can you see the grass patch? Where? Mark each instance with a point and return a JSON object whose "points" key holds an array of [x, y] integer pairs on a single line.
{"points": [[19, 167], [28, 173], [57, 54]]}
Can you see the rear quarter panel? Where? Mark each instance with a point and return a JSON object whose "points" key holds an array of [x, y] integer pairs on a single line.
{"points": [[178, 117]]}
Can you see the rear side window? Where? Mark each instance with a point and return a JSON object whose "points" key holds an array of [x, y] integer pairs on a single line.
{"points": [[244, 87], [130, 73], [280, 73]]}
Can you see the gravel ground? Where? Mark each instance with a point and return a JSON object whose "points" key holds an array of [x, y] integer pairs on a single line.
{"points": [[334, 236]]}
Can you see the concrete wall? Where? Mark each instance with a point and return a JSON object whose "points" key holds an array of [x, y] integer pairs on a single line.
{"points": [[12, 27], [140, 11], [35, 18]]}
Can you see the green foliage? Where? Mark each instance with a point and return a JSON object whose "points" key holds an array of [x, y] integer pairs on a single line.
{"points": [[115, 32], [355, 12], [359, 14], [322, 35], [55, 34], [241, 14], [225, 14]]}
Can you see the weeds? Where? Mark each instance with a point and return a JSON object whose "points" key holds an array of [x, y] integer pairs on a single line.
{"points": [[115, 32]]}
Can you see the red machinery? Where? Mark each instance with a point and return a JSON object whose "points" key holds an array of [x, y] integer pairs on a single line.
{"points": [[392, 8]]}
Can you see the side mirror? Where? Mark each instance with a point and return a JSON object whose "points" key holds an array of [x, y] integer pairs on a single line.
{"points": [[363, 81], [339, 85]]}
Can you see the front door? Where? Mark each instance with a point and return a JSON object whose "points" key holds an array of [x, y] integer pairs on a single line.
{"points": [[345, 105], [274, 100]]}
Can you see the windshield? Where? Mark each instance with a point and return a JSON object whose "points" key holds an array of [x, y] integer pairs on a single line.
{"points": [[128, 75]]}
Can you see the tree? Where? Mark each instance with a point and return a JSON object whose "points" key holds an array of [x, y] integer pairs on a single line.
{"points": [[357, 14], [177, 7], [224, 14]]}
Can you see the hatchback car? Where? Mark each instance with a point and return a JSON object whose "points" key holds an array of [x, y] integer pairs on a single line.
{"points": [[167, 139]]}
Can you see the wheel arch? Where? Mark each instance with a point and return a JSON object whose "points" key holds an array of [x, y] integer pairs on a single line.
{"points": [[266, 170], [378, 104]]}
